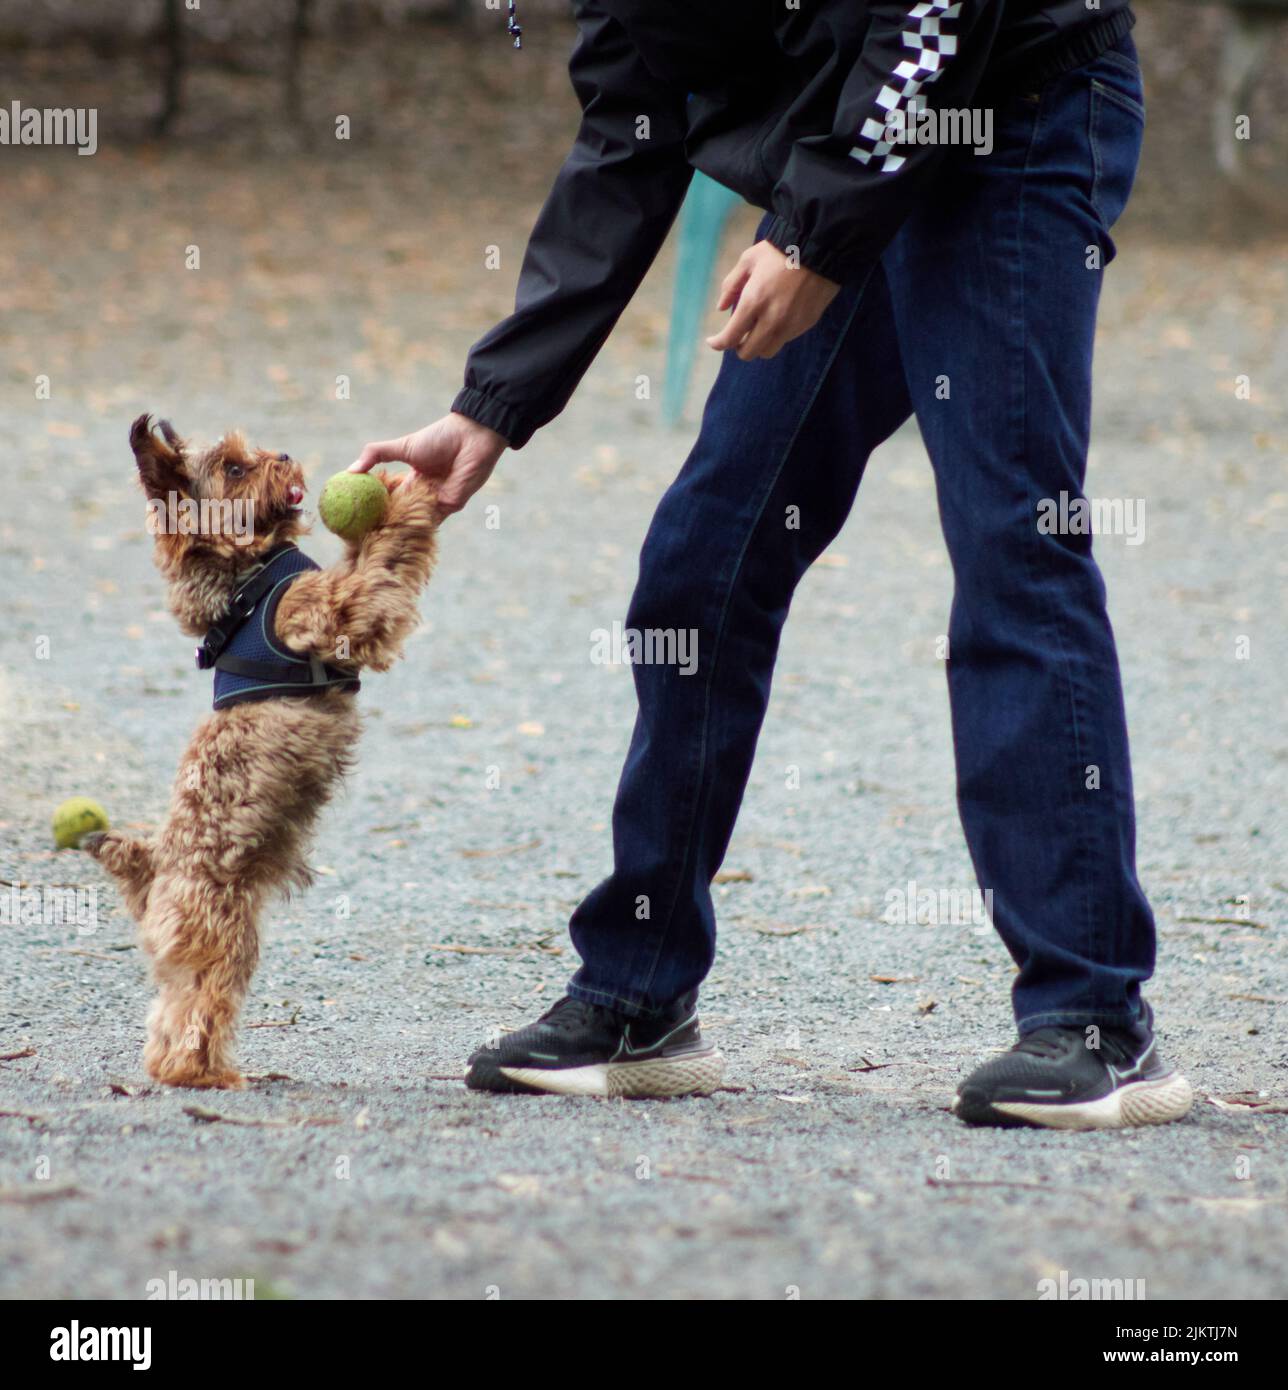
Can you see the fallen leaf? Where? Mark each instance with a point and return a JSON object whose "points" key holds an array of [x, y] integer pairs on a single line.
{"points": [[1227, 922], [781, 928], [209, 1117], [37, 1192], [1255, 1101]]}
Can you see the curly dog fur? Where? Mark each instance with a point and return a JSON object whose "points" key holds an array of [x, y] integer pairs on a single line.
{"points": [[255, 776]]}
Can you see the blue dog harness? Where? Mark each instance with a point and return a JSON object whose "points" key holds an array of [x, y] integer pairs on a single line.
{"points": [[242, 646]]}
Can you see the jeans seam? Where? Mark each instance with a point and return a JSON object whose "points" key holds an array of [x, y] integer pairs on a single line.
{"points": [[1128, 104], [703, 790], [1095, 151]]}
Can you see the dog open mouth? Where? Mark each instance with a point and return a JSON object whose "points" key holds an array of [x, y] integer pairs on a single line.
{"points": [[294, 496]]}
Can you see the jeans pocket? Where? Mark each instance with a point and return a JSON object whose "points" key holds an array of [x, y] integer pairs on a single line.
{"points": [[1117, 128]]}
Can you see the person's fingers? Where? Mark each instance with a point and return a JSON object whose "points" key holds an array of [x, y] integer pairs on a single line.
{"points": [[415, 479], [774, 336], [732, 285], [750, 347], [741, 321], [766, 347], [450, 500], [388, 451], [764, 338]]}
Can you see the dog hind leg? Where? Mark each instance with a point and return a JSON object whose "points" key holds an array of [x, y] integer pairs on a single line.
{"points": [[205, 946], [130, 862]]}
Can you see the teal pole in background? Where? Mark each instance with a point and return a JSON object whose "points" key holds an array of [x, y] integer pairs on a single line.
{"points": [[702, 221]]}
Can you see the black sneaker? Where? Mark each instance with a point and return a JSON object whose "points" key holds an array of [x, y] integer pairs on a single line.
{"points": [[579, 1049], [1054, 1079]]}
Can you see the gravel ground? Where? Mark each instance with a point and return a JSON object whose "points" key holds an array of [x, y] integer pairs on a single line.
{"points": [[357, 1165]]}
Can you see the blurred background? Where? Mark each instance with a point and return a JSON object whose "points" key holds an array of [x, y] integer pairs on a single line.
{"points": [[372, 246]]}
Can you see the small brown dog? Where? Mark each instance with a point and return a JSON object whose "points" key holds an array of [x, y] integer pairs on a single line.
{"points": [[286, 640]]}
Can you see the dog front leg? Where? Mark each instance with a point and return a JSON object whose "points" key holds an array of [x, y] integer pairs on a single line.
{"points": [[362, 610]]}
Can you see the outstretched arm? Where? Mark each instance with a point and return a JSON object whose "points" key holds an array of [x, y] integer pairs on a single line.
{"points": [[603, 223]]}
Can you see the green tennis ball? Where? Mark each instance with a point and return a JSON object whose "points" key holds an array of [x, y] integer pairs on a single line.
{"points": [[75, 818], [351, 504]]}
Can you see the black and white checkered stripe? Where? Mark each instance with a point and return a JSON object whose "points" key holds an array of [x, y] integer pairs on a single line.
{"points": [[929, 37]]}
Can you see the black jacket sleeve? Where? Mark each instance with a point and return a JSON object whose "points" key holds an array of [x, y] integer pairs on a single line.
{"points": [[602, 225], [843, 194]]}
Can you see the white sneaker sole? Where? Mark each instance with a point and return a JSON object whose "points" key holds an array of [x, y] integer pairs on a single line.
{"points": [[1155, 1102], [696, 1075]]}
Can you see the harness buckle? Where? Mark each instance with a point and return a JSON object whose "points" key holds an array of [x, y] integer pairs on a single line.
{"points": [[238, 606]]}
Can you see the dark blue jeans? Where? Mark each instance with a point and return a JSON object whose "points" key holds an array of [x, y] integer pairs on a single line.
{"points": [[993, 287]]}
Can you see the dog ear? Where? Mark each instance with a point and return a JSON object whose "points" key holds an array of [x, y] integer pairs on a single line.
{"points": [[162, 462]]}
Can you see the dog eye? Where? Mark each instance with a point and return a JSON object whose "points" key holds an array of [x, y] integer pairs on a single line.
{"points": [[234, 470]]}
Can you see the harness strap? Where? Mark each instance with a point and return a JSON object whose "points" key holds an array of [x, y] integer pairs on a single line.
{"points": [[240, 607], [309, 671], [277, 672]]}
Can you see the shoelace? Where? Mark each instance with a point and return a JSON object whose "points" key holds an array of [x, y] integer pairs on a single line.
{"points": [[512, 27]]}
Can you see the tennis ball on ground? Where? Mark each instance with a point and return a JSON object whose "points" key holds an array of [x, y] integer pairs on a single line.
{"points": [[351, 504], [75, 818]]}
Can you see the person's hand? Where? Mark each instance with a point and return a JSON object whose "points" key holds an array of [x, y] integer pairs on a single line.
{"points": [[776, 302], [456, 453]]}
